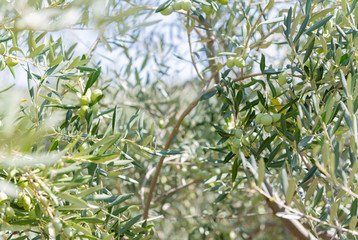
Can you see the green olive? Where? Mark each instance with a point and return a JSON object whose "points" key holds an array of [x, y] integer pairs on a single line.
{"points": [[57, 224], [2, 48], [10, 213], [85, 100], [234, 149], [25, 202], [11, 61], [215, 171], [239, 62], [224, 2], [266, 120], [167, 11], [268, 128], [68, 232], [204, 174], [177, 5], [83, 110], [238, 133], [230, 62], [236, 142], [186, 5], [258, 118], [207, 9], [96, 94], [282, 78]]}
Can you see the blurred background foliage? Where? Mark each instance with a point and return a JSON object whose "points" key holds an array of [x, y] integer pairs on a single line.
{"points": [[264, 94]]}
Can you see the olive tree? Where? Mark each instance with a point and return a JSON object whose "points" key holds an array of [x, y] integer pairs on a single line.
{"points": [[262, 135]]}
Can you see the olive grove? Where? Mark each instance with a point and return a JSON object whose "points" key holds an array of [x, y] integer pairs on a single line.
{"points": [[178, 119]]}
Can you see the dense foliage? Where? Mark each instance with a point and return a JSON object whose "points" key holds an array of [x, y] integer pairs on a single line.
{"points": [[193, 119]]}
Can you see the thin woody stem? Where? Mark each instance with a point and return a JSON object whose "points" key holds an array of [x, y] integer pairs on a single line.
{"points": [[191, 106]]}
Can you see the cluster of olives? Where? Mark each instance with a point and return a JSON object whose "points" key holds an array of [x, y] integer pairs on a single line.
{"points": [[239, 139], [235, 61], [9, 61], [57, 224], [7, 211], [267, 120], [23, 201], [186, 5], [209, 9], [87, 99], [178, 5]]}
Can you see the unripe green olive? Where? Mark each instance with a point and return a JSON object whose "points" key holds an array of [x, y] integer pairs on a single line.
{"points": [[282, 78], [239, 62], [167, 11], [207, 9], [25, 202], [186, 5], [238, 133], [236, 142], [215, 171], [11, 61], [2, 65], [177, 5], [258, 118], [230, 62], [234, 149], [204, 174], [266, 120], [268, 128], [96, 94], [57, 224], [10, 213], [82, 111], [276, 117], [224, 2], [85, 100], [68, 232], [2, 48]]}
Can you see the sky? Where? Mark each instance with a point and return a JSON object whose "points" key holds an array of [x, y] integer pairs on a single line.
{"points": [[116, 59], [169, 28]]}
